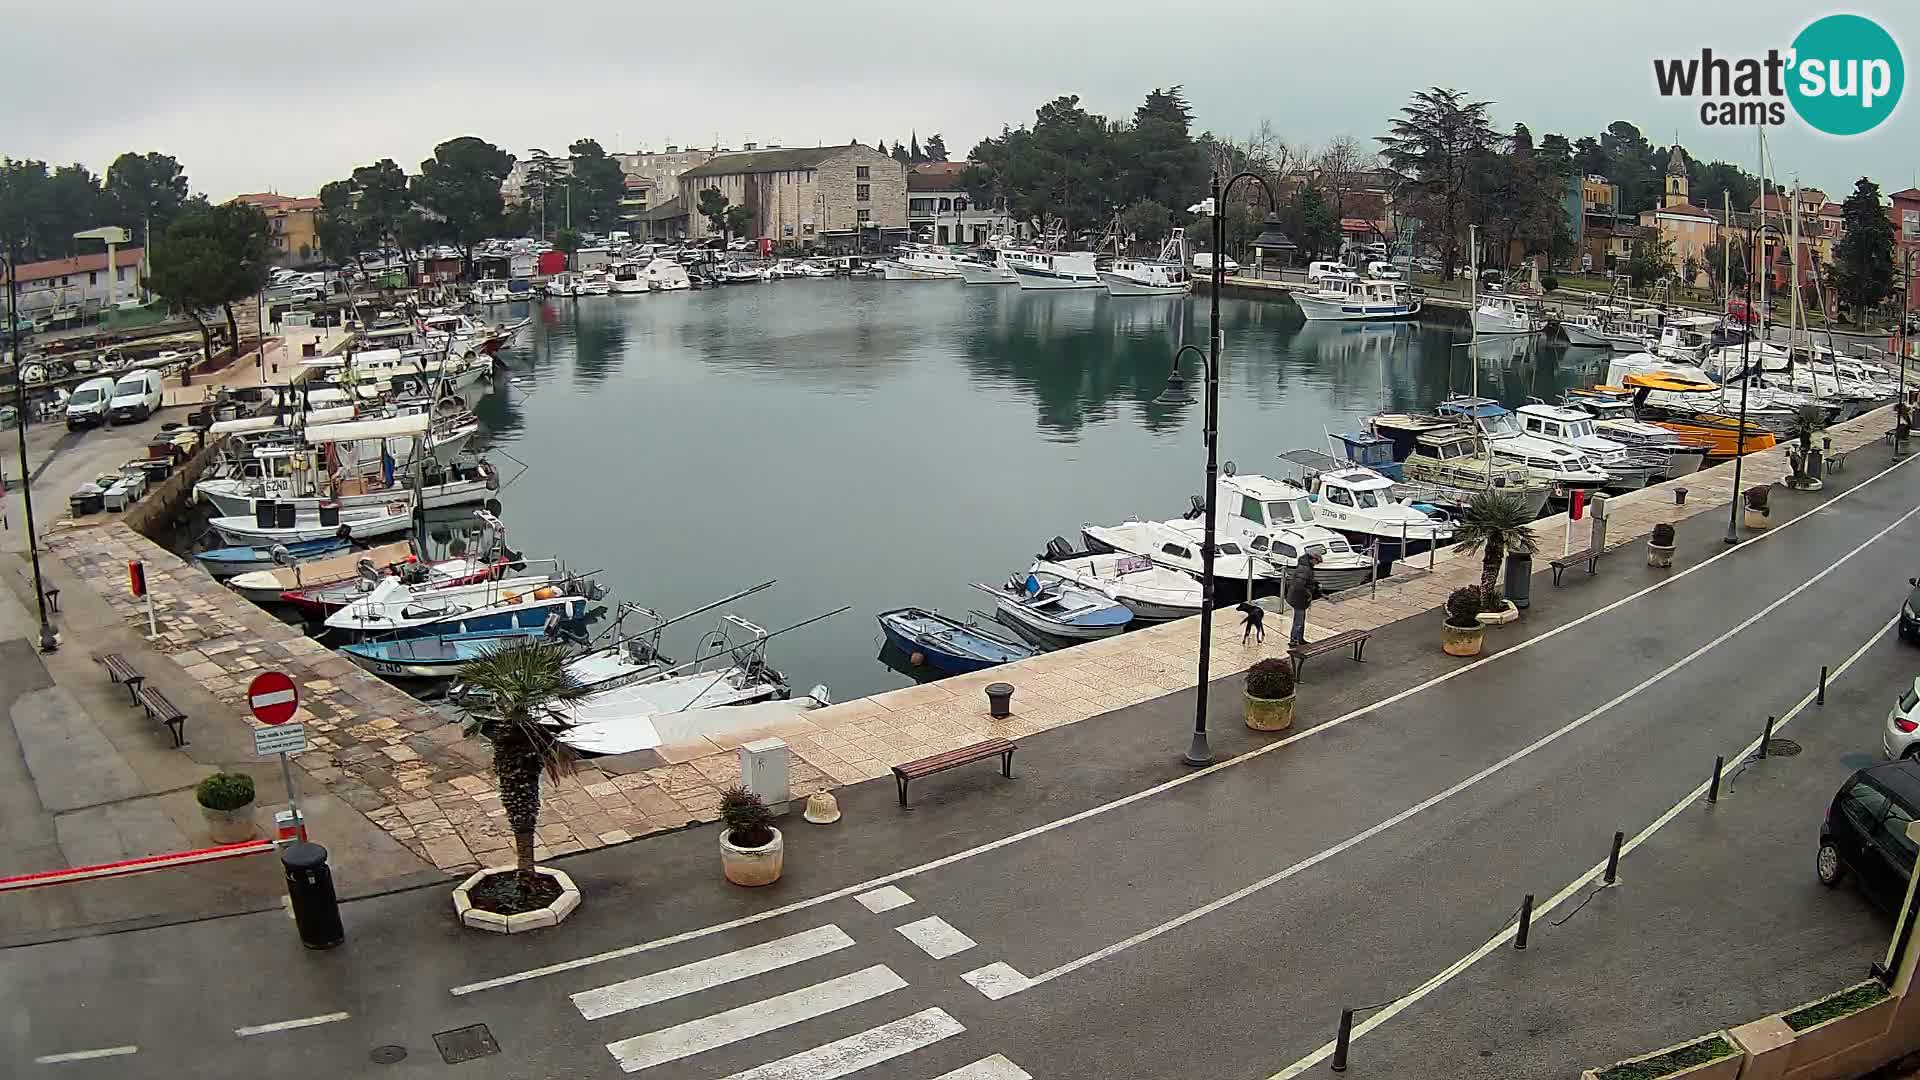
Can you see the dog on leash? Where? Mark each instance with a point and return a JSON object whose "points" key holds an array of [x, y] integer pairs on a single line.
{"points": [[1253, 623]]}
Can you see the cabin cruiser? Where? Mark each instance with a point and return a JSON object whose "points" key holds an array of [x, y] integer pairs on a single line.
{"points": [[1603, 327], [1348, 298], [592, 283], [1627, 471], [1614, 418], [1498, 313], [298, 476], [1275, 521], [1363, 505], [1176, 544], [1446, 464], [1564, 467], [1164, 276], [1153, 592], [1057, 270], [272, 523], [490, 291], [665, 275], [627, 279], [915, 262]]}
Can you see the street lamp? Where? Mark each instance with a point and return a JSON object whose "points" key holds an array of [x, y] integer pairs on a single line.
{"points": [[1902, 411], [48, 642], [1200, 753], [1746, 379]]}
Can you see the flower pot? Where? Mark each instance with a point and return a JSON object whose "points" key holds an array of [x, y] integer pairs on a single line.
{"points": [[1462, 640], [1755, 519], [1658, 556], [551, 914], [1269, 714], [752, 865], [1507, 613], [229, 826]]}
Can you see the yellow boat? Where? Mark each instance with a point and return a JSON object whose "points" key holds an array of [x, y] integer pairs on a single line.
{"points": [[1719, 433]]}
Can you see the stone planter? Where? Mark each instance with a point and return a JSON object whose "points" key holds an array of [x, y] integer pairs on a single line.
{"points": [[1726, 1067], [1660, 557], [1507, 613], [229, 826], [1461, 640], [1754, 519], [752, 866], [1269, 714], [1829, 1039], [551, 915]]}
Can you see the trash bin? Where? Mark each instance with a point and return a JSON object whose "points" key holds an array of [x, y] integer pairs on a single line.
{"points": [[310, 888], [999, 700], [1519, 578]]}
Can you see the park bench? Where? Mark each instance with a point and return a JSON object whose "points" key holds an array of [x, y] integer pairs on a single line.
{"points": [[1590, 556], [1355, 638], [1837, 460], [122, 673], [162, 711], [953, 759]]}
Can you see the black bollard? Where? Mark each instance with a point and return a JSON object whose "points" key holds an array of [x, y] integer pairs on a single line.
{"points": [[1823, 684], [1766, 736], [316, 912], [1713, 792], [1341, 1040], [1526, 922], [1613, 861]]}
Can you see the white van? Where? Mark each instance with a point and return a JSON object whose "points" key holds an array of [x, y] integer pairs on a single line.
{"points": [[1203, 261], [1383, 271], [1318, 270], [136, 396], [89, 403]]}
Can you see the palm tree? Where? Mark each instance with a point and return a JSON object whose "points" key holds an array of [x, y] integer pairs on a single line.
{"points": [[1808, 421], [1496, 524], [516, 700]]}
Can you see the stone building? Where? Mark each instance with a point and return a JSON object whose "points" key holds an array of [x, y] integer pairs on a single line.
{"points": [[827, 197], [1688, 228], [291, 226], [943, 212]]}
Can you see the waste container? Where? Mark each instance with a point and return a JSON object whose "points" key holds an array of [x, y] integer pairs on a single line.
{"points": [[310, 888], [999, 700], [1519, 578]]}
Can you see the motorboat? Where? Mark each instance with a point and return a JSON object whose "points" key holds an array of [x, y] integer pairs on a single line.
{"points": [[1275, 520], [598, 727], [997, 271], [563, 285], [396, 609], [272, 523], [1363, 506], [1626, 470], [288, 475], [1057, 270], [1176, 544], [1154, 592], [1498, 313], [1613, 418], [490, 291], [1165, 276], [1446, 464], [1601, 329], [919, 262], [436, 656], [592, 283], [736, 274], [627, 279], [665, 275], [1056, 607], [1562, 466], [269, 584], [1347, 298], [323, 597], [227, 562], [947, 644]]}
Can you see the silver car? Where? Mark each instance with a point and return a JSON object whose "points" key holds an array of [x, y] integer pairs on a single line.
{"points": [[1902, 739]]}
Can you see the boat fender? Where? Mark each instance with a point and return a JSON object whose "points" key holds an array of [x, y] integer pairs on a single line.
{"points": [[545, 592], [510, 598], [917, 659]]}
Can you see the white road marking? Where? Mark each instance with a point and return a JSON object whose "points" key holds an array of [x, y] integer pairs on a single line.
{"points": [[713, 971], [936, 937], [86, 1055], [1157, 789], [289, 1025], [996, 980], [1573, 888], [856, 1052], [771, 1014], [884, 899], [1431, 801], [996, 1067]]}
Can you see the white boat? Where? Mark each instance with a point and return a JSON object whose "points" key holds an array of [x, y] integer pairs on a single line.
{"points": [[1501, 314], [627, 279], [1274, 520], [1056, 607], [272, 475], [359, 523], [393, 606], [665, 275], [1057, 270], [605, 732], [1564, 467], [1626, 470], [1614, 418], [735, 274], [1347, 298], [1362, 505], [490, 291], [997, 272], [1166, 275], [1598, 330], [1153, 592], [563, 284], [1176, 544], [592, 283], [916, 262], [1447, 464]]}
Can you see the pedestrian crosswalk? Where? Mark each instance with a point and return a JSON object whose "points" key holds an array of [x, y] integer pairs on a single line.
{"points": [[629, 1003]]}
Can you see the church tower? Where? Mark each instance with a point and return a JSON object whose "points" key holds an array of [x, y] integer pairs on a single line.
{"points": [[1676, 178]]}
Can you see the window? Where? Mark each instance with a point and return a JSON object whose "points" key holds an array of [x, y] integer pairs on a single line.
{"points": [[863, 193], [1283, 513], [1250, 509], [946, 204], [959, 204], [1176, 551], [807, 229], [1259, 543], [1339, 497], [93, 277], [1285, 552], [1909, 699], [1226, 547], [1892, 834], [863, 216], [862, 172], [1369, 500], [1865, 805]]}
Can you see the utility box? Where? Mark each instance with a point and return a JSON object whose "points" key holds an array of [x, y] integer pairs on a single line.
{"points": [[763, 771], [1599, 512]]}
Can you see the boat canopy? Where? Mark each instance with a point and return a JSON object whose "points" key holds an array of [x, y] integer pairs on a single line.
{"points": [[1667, 382], [269, 422], [327, 395], [387, 427]]}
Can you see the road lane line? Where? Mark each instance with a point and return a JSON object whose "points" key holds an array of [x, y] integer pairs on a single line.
{"points": [[856, 1052], [1184, 778], [758, 1018], [289, 1025], [936, 937], [711, 972], [1453, 970], [86, 1055], [1433, 800], [996, 1067]]}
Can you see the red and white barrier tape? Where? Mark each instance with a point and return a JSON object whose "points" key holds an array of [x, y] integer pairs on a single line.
{"points": [[135, 866]]}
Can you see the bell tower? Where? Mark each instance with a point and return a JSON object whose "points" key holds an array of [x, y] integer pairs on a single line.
{"points": [[1676, 178]]}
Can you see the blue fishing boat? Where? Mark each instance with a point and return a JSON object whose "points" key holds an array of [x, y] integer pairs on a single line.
{"points": [[948, 645], [227, 562], [437, 657], [1056, 607]]}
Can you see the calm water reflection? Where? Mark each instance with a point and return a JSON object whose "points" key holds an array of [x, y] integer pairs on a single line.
{"points": [[885, 443]]}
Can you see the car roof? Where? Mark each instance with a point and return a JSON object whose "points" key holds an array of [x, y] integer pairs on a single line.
{"points": [[1901, 778]]}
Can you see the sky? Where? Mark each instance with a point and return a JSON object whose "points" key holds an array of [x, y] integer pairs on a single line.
{"points": [[253, 97]]}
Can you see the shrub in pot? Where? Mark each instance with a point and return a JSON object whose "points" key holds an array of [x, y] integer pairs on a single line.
{"points": [[1269, 697], [1462, 633], [751, 849], [226, 801], [1660, 546], [1755, 500]]}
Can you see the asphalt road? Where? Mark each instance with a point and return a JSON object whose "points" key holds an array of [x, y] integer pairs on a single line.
{"points": [[1208, 924]]}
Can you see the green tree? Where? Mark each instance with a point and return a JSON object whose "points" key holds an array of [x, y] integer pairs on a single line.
{"points": [[382, 195], [712, 205], [598, 186], [936, 147], [340, 227], [1713, 185], [1317, 230], [566, 242], [1495, 525], [1430, 149], [1650, 260], [900, 154], [518, 701], [148, 191], [544, 172], [739, 219], [1146, 221], [1634, 166], [239, 233], [187, 269], [1863, 260], [913, 151], [460, 186]]}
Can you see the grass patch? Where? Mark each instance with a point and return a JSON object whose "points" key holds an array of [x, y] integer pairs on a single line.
{"points": [[1851, 1001], [1672, 1061]]}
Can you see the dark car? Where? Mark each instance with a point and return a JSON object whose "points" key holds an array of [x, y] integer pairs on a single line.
{"points": [[1910, 612], [1865, 832]]}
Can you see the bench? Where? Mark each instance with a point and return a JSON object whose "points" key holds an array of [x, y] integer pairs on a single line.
{"points": [[1356, 638], [122, 672], [1837, 460], [162, 711], [1585, 555], [953, 759]]}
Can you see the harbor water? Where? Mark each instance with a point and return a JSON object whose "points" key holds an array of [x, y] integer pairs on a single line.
{"points": [[883, 444]]}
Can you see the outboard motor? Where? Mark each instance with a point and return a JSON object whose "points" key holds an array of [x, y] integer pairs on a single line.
{"points": [[1196, 507], [369, 574], [1058, 549]]}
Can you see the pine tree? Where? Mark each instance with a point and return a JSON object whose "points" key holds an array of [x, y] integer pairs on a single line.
{"points": [[1863, 261], [913, 153]]}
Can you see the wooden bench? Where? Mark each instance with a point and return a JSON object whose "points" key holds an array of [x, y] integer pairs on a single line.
{"points": [[162, 711], [122, 672], [953, 759], [1356, 638], [1585, 555]]}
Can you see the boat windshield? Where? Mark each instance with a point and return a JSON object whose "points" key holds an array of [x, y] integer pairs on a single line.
{"points": [[1503, 424], [1367, 500], [1289, 512], [1580, 429]]}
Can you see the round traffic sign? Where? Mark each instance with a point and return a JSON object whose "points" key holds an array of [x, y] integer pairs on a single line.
{"points": [[273, 697]]}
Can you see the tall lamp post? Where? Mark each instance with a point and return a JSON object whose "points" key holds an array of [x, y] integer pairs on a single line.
{"points": [[48, 642], [1746, 378], [1902, 412], [1199, 752]]}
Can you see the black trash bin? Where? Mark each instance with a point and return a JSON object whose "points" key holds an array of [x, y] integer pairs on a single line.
{"points": [[329, 514], [285, 515], [310, 887], [1519, 578], [265, 513]]}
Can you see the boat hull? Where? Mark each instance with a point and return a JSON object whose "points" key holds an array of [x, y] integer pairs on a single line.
{"points": [[529, 615], [1030, 278], [986, 275], [1318, 310], [893, 271], [1121, 285], [1490, 323], [245, 534], [1584, 337], [228, 502], [431, 657], [232, 562]]}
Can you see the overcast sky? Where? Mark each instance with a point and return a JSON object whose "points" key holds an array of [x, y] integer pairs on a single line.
{"points": [[284, 97]]}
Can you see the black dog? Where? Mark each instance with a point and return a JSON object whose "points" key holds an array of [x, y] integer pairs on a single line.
{"points": [[1254, 625]]}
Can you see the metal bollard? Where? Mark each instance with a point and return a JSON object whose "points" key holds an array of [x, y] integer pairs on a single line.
{"points": [[1713, 792], [1766, 736], [1823, 684], [1341, 1040], [1613, 862], [1526, 922]]}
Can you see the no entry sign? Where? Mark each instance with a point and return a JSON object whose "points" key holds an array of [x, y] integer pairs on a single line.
{"points": [[272, 697]]}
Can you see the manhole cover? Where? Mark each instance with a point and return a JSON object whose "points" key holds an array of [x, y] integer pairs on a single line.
{"points": [[1782, 748], [387, 1055], [465, 1044]]}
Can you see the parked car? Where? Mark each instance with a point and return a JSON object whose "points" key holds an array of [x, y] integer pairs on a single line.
{"points": [[1865, 833], [1902, 739], [89, 403], [1910, 612], [1316, 271], [136, 396], [1203, 261]]}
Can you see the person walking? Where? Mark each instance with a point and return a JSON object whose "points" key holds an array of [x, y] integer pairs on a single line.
{"points": [[1300, 592]]}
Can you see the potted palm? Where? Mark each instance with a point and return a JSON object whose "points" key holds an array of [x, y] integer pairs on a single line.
{"points": [[752, 852], [1462, 633], [1755, 500], [1660, 546], [1269, 700], [518, 701], [1497, 525], [1808, 420], [226, 801]]}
